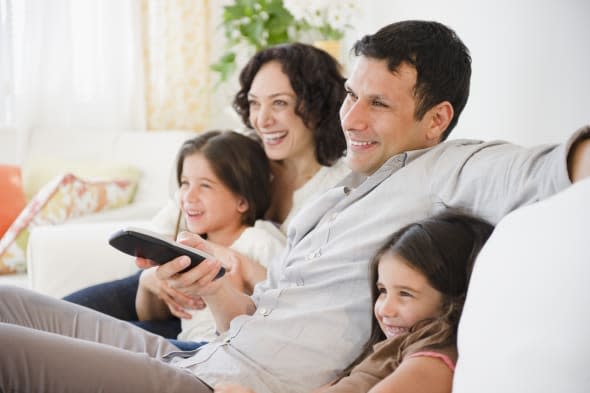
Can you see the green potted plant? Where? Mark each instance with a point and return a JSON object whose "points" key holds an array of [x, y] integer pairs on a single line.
{"points": [[251, 25]]}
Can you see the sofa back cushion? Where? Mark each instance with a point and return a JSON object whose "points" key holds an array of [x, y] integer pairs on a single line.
{"points": [[151, 153], [525, 323]]}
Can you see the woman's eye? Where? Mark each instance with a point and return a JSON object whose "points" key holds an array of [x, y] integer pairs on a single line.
{"points": [[183, 183], [280, 103], [405, 294], [350, 95], [252, 103], [205, 185], [379, 104], [381, 291]]}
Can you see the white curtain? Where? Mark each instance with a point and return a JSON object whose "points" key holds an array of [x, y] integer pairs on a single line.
{"points": [[77, 65]]}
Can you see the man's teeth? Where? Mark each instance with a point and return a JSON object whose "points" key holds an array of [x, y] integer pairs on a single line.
{"points": [[360, 143]]}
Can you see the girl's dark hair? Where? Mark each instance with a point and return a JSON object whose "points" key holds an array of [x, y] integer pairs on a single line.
{"points": [[443, 248], [319, 86], [239, 162]]}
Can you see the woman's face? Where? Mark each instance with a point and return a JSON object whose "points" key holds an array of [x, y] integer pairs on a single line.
{"points": [[405, 296], [272, 104], [209, 206]]}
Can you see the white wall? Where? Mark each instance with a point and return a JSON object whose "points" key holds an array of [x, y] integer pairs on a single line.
{"points": [[531, 62], [8, 147]]}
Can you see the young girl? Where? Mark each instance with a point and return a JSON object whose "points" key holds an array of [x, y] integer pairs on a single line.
{"points": [[224, 190], [421, 275]]}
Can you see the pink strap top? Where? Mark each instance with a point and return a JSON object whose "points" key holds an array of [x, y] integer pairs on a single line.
{"points": [[438, 355]]}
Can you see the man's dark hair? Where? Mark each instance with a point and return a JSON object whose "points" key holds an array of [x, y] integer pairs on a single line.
{"points": [[442, 62]]}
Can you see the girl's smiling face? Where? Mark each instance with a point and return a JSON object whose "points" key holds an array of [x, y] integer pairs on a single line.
{"points": [[405, 296], [209, 206]]}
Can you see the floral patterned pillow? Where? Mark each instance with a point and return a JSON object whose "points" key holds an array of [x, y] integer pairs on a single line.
{"points": [[66, 196]]}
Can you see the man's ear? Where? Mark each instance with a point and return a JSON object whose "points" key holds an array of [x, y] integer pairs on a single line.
{"points": [[439, 118]]}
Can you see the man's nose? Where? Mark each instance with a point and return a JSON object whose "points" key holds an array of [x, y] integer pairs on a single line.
{"points": [[353, 116]]}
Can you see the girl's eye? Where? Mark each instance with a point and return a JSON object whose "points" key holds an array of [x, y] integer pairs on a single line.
{"points": [[405, 294], [183, 183], [381, 291], [205, 185], [379, 104]]}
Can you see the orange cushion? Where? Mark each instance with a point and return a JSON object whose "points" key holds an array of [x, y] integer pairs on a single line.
{"points": [[12, 196]]}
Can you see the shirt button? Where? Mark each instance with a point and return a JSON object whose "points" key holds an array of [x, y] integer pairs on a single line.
{"points": [[263, 311], [226, 340], [333, 216]]}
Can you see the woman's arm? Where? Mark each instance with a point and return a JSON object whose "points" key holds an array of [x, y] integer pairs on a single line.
{"points": [[419, 374], [147, 304]]}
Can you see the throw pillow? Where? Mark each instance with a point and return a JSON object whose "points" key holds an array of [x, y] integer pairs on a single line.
{"points": [[39, 170], [65, 197], [12, 197]]}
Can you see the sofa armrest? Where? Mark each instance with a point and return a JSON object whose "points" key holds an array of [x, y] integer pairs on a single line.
{"points": [[62, 259]]}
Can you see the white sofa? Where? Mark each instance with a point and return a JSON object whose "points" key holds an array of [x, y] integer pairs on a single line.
{"points": [[525, 319], [525, 323], [75, 254]]}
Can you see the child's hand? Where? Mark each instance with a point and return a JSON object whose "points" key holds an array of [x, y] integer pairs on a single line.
{"points": [[227, 387], [144, 263]]}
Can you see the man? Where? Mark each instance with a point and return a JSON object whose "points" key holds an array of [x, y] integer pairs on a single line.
{"points": [[312, 315]]}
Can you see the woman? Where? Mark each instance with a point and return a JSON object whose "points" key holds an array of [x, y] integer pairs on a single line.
{"points": [[290, 95]]}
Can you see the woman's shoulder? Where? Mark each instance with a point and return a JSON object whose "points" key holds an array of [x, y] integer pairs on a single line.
{"points": [[324, 179], [336, 172], [261, 242]]}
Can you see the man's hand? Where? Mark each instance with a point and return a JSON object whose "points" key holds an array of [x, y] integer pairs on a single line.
{"points": [[579, 160]]}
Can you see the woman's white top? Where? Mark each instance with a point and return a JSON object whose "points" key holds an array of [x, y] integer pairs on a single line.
{"points": [[326, 178]]}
